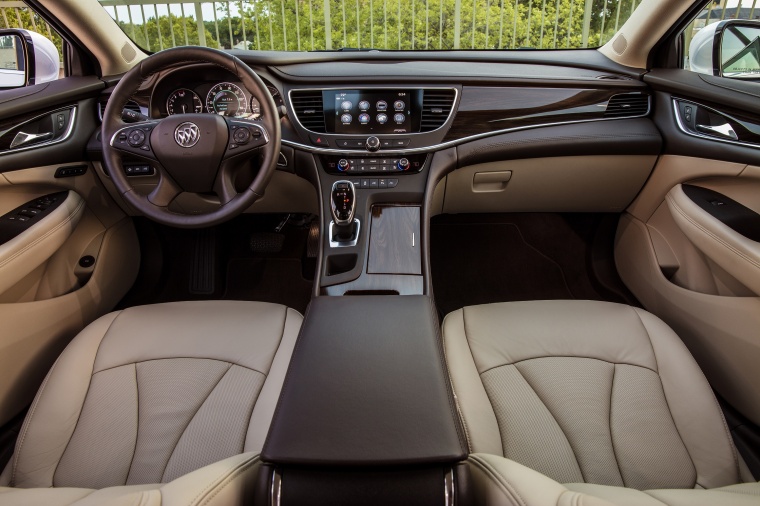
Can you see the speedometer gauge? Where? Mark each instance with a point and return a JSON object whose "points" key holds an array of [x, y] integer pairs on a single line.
{"points": [[226, 99], [183, 101]]}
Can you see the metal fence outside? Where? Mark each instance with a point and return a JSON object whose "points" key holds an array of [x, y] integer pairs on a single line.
{"points": [[298, 25]]}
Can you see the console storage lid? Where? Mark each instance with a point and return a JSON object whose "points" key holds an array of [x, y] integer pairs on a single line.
{"points": [[367, 385]]}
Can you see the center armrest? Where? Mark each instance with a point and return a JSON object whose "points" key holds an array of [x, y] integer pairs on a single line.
{"points": [[367, 385]]}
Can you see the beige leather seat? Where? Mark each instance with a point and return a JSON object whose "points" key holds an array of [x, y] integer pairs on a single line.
{"points": [[579, 402], [163, 404]]}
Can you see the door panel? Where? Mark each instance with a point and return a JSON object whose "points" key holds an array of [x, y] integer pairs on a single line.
{"points": [[49, 291], [685, 265]]}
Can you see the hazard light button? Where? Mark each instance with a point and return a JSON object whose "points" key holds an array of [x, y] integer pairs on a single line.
{"points": [[319, 140]]}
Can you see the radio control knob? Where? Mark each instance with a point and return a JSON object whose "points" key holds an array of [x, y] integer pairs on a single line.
{"points": [[373, 143], [343, 165], [403, 164]]}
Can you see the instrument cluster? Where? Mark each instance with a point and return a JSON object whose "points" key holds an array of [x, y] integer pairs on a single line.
{"points": [[226, 98]]}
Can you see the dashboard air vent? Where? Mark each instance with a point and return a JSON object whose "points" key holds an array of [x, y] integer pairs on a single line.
{"points": [[626, 105], [308, 108], [131, 106], [436, 107]]}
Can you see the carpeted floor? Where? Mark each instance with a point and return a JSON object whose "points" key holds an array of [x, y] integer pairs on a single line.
{"points": [[479, 259], [277, 270]]}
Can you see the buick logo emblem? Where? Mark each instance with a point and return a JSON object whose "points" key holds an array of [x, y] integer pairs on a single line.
{"points": [[187, 134]]}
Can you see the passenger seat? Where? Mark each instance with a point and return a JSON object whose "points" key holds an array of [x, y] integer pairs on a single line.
{"points": [[581, 402]]}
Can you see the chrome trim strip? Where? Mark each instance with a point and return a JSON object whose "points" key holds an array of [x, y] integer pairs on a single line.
{"points": [[376, 87], [275, 495], [345, 244], [449, 144], [66, 135], [704, 136], [449, 492]]}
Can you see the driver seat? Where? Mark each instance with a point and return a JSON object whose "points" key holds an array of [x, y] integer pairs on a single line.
{"points": [[161, 404]]}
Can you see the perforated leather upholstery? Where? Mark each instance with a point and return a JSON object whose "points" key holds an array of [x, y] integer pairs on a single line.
{"points": [[587, 392], [152, 393]]}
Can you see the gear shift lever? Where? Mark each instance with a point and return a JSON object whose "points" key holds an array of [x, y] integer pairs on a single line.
{"points": [[343, 206]]}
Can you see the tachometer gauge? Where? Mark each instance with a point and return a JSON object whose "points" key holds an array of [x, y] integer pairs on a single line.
{"points": [[226, 99], [255, 108], [183, 101]]}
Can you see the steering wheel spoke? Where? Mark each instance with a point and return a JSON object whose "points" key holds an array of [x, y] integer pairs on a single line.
{"points": [[165, 191], [134, 139], [194, 152], [245, 136]]}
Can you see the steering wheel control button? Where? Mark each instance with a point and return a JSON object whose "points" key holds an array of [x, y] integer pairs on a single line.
{"points": [[187, 134], [373, 143], [242, 135], [136, 138]]}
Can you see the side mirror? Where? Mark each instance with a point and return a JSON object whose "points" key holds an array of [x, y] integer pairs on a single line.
{"points": [[26, 58], [729, 48]]}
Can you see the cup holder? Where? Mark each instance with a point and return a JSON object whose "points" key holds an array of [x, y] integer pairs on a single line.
{"points": [[338, 264]]}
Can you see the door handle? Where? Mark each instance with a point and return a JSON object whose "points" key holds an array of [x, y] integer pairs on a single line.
{"points": [[725, 130], [23, 139]]}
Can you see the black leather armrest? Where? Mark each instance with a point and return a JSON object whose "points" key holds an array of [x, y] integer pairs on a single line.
{"points": [[367, 385]]}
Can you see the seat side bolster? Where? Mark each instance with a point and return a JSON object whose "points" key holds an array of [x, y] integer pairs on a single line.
{"points": [[263, 410], [56, 408], [230, 481], [694, 408], [501, 481], [472, 402]]}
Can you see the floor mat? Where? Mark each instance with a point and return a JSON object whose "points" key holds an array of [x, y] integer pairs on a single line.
{"points": [[277, 280], [243, 259], [480, 259]]}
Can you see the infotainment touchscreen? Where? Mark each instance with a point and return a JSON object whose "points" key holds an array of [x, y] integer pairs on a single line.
{"points": [[372, 112]]}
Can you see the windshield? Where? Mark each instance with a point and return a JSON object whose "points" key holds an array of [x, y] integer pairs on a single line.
{"points": [[313, 25]]}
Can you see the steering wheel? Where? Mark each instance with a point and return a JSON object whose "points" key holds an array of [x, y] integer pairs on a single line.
{"points": [[198, 153]]}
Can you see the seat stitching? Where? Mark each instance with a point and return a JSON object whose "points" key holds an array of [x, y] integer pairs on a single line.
{"points": [[229, 479], [612, 441], [653, 497], [717, 407], [499, 478], [555, 421], [288, 374], [191, 420], [480, 377], [227, 473], [566, 356], [456, 399], [137, 429], [662, 387], [39, 396], [449, 387], [180, 357], [266, 376]]}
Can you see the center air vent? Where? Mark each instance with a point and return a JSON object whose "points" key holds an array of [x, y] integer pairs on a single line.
{"points": [[627, 105], [436, 107], [131, 106], [307, 106]]}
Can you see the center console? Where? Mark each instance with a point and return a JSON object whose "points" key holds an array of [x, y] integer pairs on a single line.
{"points": [[375, 143], [366, 414]]}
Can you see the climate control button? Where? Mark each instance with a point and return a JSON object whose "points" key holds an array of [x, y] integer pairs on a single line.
{"points": [[403, 164], [343, 165]]}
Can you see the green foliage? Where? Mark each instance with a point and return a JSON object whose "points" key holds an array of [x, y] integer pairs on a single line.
{"points": [[25, 18]]}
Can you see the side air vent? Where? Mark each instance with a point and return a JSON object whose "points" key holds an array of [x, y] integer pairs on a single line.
{"points": [[308, 108], [436, 107], [627, 105], [131, 106]]}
